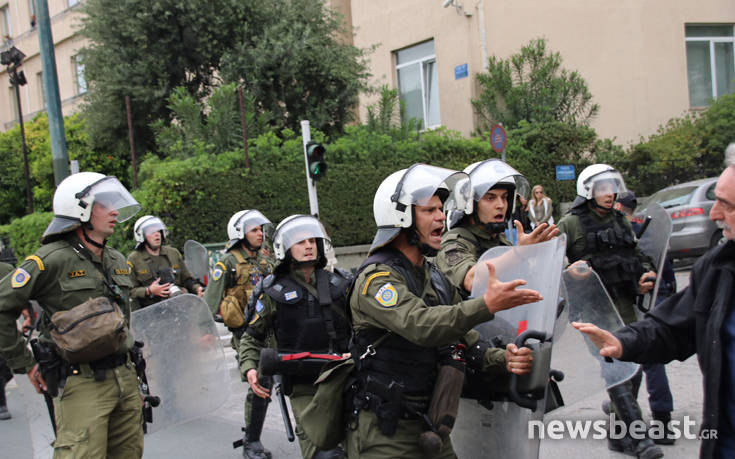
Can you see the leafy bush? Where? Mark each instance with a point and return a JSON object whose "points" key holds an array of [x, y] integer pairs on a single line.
{"points": [[24, 234]]}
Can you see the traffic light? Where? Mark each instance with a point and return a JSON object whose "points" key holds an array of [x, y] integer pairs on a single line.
{"points": [[315, 156]]}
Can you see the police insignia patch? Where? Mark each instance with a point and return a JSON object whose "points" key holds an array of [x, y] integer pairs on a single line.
{"points": [[19, 278], [290, 295], [453, 257], [387, 295], [219, 269], [259, 306]]}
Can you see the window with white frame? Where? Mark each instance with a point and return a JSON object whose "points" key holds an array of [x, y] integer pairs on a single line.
{"points": [[417, 83], [80, 82], [5, 30], [710, 62]]}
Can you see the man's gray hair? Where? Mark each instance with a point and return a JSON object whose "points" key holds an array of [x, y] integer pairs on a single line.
{"points": [[730, 155]]}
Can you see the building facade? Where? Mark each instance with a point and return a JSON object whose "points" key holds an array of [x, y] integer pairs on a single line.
{"points": [[644, 62], [18, 28]]}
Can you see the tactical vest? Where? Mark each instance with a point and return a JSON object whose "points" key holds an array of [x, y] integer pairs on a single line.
{"points": [[396, 358], [245, 277], [306, 323], [610, 249]]}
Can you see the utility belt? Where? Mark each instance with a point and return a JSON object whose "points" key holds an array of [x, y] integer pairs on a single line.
{"points": [[388, 403], [98, 368]]}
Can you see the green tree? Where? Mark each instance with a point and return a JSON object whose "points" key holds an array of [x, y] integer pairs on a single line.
{"points": [[532, 86], [146, 49], [296, 66]]}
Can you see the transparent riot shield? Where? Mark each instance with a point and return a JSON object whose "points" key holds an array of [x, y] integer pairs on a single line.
{"points": [[585, 371], [185, 361], [494, 425], [654, 242], [197, 260]]}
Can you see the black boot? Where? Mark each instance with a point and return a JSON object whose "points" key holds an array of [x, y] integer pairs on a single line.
{"points": [[662, 418], [627, 410], [4, 413], [252, 448], [619, 445]]}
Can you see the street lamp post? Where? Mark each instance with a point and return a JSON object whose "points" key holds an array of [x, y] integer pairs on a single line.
{"points": [[13, 58]]}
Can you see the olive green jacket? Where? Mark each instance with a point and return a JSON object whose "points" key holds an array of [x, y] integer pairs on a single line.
{"points": [[382, 300], [461, 248], [225, 271], [5, 268], [60, 275], [145, 268]]}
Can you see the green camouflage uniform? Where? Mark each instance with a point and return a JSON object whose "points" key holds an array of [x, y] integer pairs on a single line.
{"points": [[93, 418], [224, 277], [461, 248], [408, 316], [145, 268], [576, 242]]}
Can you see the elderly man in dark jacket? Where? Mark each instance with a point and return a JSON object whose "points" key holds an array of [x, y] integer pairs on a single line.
{"points": [[701, 319]]}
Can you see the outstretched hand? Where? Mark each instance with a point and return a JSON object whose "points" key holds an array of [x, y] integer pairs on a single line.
{"points": [[541, 233], [506, 295], [609, 345]]}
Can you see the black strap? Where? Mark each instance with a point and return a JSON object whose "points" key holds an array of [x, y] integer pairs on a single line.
{"points": [[325, 301]]}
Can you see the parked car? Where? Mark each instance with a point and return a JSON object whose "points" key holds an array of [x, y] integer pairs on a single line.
{"points": [[689, 203]]}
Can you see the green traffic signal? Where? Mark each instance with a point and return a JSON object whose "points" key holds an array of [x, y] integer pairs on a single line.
{"points": [[315, 155]]}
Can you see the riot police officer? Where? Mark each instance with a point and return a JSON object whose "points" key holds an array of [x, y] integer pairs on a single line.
{"points": [[494, 188], [5, 374], [151, 261], [100, 412], [405, 313], [600, 236], [234, 277], [304, 307]]}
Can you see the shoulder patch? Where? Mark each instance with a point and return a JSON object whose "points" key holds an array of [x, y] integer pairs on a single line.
{"points": [[290, 295], [219, 269], [370, 279], [19, 278], [258, 306], [453, 256], [38, 261], [387, 295], [255, 319], [124, 272], [130, 264]]}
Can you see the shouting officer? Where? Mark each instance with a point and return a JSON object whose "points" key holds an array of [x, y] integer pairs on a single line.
{"points": [[233, 280], [99, 412], [305, 308], [406, 313], [494, 186], [158, 271], [600, 236]]}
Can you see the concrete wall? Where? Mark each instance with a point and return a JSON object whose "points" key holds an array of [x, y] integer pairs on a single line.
{"points": [[631, 53]]}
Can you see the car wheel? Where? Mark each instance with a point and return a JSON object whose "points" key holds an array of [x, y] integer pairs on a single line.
{"points": [[716, 237]]}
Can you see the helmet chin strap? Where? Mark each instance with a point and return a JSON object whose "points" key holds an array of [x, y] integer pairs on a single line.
{"points": [[247, 245], [413, 238], [493, 228], [87, 238], [606, 209]]}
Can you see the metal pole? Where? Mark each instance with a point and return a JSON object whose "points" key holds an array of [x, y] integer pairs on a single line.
{"points": [[243, 122], [51, 89], [131, 141], [29, 190], [310, 185]]}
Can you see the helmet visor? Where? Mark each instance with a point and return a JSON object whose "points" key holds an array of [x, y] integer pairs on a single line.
{"points": [[152, 225], [421, 182], [111, 194], [493, 172], [251, 220], [604, 183], [298, 229]]}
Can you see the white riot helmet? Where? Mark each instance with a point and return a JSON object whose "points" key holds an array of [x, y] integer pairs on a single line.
{"points": [[146, 225], [589, 181], [77, 194], [400, 191], [243, 222], [489, 174], [297, 228]]}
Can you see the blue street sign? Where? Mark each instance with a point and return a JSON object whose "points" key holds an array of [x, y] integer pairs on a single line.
{"points": [[565, 172], [460, 71]]}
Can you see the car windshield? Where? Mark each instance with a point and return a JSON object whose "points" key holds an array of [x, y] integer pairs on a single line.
{"points": [[674, 197]]}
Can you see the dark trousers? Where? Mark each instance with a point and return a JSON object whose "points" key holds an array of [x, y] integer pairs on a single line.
{"points": [[657, 384]]}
